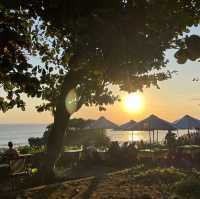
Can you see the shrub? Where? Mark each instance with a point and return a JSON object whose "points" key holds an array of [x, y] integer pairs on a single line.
{"points": [[122, 155], [188, 188], [40, 141], [24, 149], [163, 176], [30, 150], [35, 142], [87, 137]]}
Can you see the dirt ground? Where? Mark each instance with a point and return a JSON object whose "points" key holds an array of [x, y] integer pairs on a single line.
{"points": [[116, 185]]}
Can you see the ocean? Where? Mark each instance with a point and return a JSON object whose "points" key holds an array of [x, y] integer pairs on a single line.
{"points": [[19, 134]]}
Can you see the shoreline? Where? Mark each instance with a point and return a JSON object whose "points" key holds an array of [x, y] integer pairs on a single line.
{"points": [[3, 148], [15, 145]]}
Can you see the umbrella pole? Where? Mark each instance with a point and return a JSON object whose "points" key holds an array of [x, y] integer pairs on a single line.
{"points": [[157, 136], [153, 137], [150, 138], [132, 136]]}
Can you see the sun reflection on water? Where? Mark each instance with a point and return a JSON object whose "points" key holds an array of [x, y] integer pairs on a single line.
{"points": [[126, 136], [136, 136]]}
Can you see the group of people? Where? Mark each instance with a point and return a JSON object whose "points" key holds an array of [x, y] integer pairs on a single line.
{"points": [[190, 138]]}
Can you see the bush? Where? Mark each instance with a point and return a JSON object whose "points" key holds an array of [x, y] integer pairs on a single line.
{"points": [[163, 176], [122, 155], [30, 150], [87, 137], [188, 188], [40, 141], [35, 142]]}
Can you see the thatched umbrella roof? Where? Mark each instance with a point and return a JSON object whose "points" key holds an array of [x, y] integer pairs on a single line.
{"points": [[102, 123], [153, 123], [127, 125], [187, 122]]}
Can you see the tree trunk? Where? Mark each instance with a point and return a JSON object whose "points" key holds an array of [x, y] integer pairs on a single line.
{"points": [[55, 141], [56, 136]]}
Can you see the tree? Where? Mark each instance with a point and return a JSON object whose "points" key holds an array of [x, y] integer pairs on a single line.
{"points": [[86, 46], [189, 49], [78, 123], [16, 30]]}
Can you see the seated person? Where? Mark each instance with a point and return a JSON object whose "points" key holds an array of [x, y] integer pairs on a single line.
{"points": [[11, 153]]}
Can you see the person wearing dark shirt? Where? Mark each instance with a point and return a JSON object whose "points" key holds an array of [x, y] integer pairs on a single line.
{"points": [[11, 153]]}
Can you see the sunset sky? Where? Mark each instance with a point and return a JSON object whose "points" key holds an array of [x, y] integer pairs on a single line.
{"points": [[176, 97]]}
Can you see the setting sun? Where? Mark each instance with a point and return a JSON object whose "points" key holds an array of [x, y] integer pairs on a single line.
{"points": [[133, 102]]}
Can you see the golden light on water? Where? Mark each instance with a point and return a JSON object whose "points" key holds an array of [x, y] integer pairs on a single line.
{"points": [[137, 136], [133, 102]]}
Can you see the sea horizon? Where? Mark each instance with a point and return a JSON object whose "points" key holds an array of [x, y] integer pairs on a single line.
{"points": [[19, 134]]}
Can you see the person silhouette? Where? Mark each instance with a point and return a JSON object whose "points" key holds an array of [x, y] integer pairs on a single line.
{"points": [[11, 153]]}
